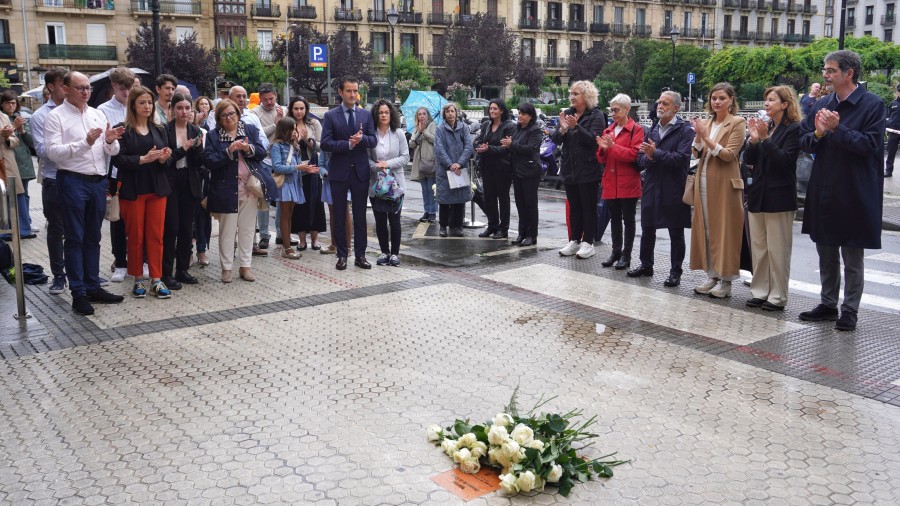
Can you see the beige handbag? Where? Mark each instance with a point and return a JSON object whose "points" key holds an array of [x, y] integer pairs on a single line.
{"points": [[112, 208], [279, 178], [688, 197]]}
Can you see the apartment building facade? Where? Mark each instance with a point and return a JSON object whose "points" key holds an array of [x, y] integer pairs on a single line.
{"points": [[91, 35], [877, 18]]}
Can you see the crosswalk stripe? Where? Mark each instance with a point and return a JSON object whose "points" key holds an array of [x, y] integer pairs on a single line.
{"points": [[885, 257], [880, 277], [870, 300]]}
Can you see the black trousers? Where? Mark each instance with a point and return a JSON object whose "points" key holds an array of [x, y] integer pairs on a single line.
{"points": [[621, 212], [452, 215], [387, 228], [179, 228], [359, 192], [526, 191], [119, 242], [648, 243], [893, 141], [54, 228], [202, 222], [496, 198], [582, 211]]}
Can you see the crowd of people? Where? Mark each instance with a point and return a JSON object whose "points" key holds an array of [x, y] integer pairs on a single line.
{"points": [[176, 162]]}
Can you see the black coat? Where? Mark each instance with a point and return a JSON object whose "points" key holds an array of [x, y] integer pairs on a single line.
{"points": [[579, 148], [893, 118], [525, 152], [128, 163], [496, 158], [194, 157], [774, 176], [665, 176], [222, 196]]}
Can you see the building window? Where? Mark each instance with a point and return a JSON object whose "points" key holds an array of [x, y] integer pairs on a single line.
{"points": [[686, 22], [574, 48], [409, 43], [619, 16], [791, 27], [598, 14], [379, 43], [889, 35], [870, 15], [760, 25], [492, 8], [640, 17], [56, 33], [554, 10], [806, 27], [774, 28], [528, 48], [667, 21], [183, 32], [231, 7], [4, 31], [96, 34], [745, 24], [230, 32], [726, 22], [465, 7], [704, 18], [851, 17], [437, 6], [264, 40], [576, 12]]}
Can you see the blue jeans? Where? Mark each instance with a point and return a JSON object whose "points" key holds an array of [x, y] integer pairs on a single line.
{"points": [[22, 202], [82, 203], [53, 230], [262, 223], [428, 195]]}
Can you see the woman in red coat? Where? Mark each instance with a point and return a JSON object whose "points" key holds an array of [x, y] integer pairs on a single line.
{"points": [[619, 145]]}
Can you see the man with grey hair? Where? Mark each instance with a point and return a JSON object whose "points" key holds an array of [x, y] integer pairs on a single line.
{"points": [[665, 158], [844, 199]]}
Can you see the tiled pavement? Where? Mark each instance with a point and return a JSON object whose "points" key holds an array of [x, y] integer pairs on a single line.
{"points": [[312, 386]]}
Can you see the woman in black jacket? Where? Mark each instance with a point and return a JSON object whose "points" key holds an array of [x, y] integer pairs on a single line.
{"points": [[495, 171], [772, 150], [525, 157], [186, 142], [143, 187], [577, 134]]}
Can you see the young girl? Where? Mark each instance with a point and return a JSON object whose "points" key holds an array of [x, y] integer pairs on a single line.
{"points": [[288, 159]]}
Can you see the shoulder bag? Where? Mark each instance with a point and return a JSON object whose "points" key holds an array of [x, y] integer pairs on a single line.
{"points": [[279, 178]]}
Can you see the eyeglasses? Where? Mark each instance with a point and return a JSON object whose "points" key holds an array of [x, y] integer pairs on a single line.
{"points": [[830, 70], [83, 89], [227, 115], [614, 110]]}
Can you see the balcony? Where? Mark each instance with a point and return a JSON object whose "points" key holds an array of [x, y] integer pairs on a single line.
{"points": [[850, 23], [439, 18], [792, 38], [7, 51], [266, 55], [576, 25], [529, 24], [888, 20], [170, 8], [74, 52], [739, 4], [347, 14], [642, 30], [620, 29], [779, 6], [852, 2], [554, 62], [806, 38], [302, 12], [554, 24], [738, 35], [377, 16], [410, 18], [435, 60], [82, 7], [599, 27], [769, 37], [468, 19], [265, 10], [809, 10]]}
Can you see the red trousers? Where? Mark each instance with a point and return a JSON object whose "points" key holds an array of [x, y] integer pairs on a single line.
{"points": [[144, 223]]}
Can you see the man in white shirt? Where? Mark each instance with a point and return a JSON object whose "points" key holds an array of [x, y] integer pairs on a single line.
{"points": [[79, 140], [122, 80], [165, 90]]}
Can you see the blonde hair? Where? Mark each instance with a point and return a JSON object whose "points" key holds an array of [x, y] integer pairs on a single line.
{"points": [[588, 91], [786, 95]]}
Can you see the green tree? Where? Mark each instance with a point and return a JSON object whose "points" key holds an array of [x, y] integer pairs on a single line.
{"points": [[479, 53], [409, 68], [4, 80], [688, 58], [243, 65], [622, 74], [606, 90], [186, 59]]}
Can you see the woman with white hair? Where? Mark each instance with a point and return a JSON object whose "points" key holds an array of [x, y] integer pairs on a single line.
{"points": [[576, 133], [621, 179]]}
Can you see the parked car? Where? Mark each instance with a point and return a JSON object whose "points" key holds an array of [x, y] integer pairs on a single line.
{"points": [[478, 102]]}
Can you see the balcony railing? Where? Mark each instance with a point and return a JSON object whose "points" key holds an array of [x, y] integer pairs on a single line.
{"points": [[347, 14], [738, 35], [266, 55], [302, 12], [410, 18], [74, 52], [554, 24], [7, 51], [379, 16], [806, 38], [888, 19], [620, 29], [264, 10], [555, 62], [439, 18], [467, 19], [529, 24], [779, 5], [642, 30], [851, 22], [811, 9], [599, 27], [792, 37], [576, 25], [79, 4], [172, 7]]}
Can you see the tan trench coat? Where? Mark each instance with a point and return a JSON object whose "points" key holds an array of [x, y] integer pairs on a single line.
{"points": [[724, 188], [9, 154]]}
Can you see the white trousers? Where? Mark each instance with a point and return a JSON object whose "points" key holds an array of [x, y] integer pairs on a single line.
{"points": [[240, 226], [771, 239]]}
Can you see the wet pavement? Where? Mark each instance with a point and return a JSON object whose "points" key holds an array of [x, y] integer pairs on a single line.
{"points": [[313, 386]]}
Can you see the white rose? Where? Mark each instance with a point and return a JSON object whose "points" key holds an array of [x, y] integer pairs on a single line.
{"points": [[539, 483], [555, 473], [461, 455], [513, 452], [497, 435], [467, 440], [434, 433], [537, 444], [479, 449], [470, 465], [508, 483], [492, 454], [525, 482], [522, 434], [449, 446], [503, 420]]}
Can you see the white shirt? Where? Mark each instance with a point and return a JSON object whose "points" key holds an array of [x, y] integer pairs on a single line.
{"points": [[65, 135], [115, 114]]}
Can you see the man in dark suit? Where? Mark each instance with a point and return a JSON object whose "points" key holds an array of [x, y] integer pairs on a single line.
{"points": [[347, 133]]}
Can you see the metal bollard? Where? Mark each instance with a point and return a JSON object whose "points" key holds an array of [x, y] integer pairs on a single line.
{"points": [[9, 197], [472, 222]]}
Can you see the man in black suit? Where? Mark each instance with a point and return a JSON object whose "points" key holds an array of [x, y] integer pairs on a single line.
{"points": [[347, 133]]}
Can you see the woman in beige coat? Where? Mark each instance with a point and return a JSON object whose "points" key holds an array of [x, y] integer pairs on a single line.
{"points": [[718, 190], [8, 143], [422, 141]]}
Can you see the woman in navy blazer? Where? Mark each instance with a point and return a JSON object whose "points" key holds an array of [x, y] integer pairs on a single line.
{"points": [[772, 150]]}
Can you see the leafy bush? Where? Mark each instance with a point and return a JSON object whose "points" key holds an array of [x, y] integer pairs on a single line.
{"points": [[882, 90], [750, 92]]}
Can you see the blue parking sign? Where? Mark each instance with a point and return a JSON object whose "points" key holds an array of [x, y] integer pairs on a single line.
{"points": [[692, 78], [318, 55]]}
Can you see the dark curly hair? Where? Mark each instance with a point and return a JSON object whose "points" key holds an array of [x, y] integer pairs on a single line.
{"points": [[395, 114], [504, 110]]}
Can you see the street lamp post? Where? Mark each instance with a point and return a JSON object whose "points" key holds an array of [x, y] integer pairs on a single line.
{"points": [[393, 17], [674, 34], [157, 48], [289, 29]]}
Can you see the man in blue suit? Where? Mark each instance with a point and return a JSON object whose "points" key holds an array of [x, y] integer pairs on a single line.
{"points": [[347, 133]]}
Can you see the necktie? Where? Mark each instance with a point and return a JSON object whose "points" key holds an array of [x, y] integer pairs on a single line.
{"points": [[350, 120]]}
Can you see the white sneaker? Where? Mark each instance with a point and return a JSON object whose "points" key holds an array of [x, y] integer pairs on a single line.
{"points": [[721, 291], [569, 249], [118, 275], [146, 272], [705, 288], [585, 251]]}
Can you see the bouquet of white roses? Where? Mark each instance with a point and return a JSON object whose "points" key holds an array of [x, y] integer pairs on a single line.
{"points": [[531, 450]]}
